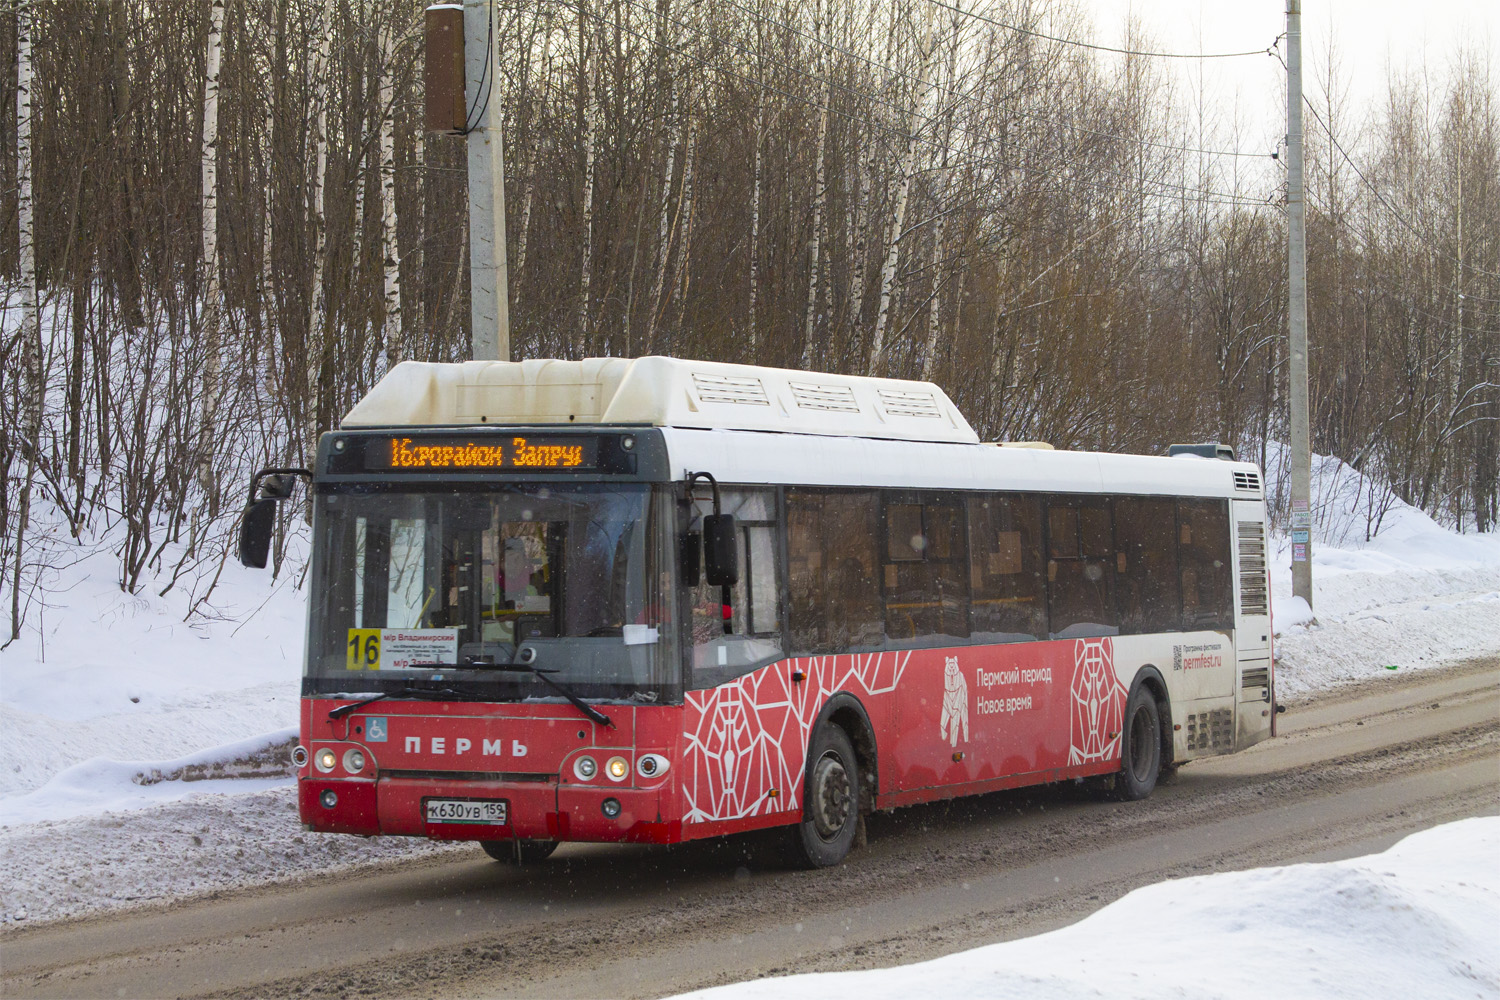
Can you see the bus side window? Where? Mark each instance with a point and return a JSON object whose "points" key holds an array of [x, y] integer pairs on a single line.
{"points": [[1203, 558], [925, 584], [1080, 569], [832, 550], [1008, 601], [755, 619], [1146, 564]]}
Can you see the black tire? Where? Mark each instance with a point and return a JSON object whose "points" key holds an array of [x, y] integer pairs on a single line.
{"points": [[1140, 750], [830, 801], [519, 852]]}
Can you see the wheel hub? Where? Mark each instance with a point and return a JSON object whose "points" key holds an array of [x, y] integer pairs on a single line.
{"points": [[831, 798]]}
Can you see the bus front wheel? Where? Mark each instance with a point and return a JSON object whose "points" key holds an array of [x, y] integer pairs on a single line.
{"points": [[830, 801], [519, 852], [1140, 754]]}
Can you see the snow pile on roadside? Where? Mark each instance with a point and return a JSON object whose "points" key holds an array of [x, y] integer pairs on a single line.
{"points": [[202, 843], [101, 785], [121, 676], [1417, 920], [1414, 595]]}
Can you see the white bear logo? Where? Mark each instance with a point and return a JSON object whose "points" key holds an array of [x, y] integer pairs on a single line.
{"points": [[955, 704]]}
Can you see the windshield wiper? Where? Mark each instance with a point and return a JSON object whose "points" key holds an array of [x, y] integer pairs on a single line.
{"points": [[541, 673], [439, 694], [407, 691]]}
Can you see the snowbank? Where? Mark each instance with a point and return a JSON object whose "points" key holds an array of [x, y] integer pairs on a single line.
{"points": [[1413, 595], [104, 673], [101, 785], [1419, 920]]}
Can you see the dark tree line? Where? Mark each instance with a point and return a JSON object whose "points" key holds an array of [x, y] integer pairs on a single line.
{"points": [[905, 189]]}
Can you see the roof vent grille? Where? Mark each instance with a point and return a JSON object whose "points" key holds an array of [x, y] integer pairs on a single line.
{"points": [[1247, 481], [815, 396], [901, 403], [730, 389]]}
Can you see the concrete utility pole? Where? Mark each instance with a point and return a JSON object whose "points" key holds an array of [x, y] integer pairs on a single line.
{"points": [[489, 308], [1296, 211]]}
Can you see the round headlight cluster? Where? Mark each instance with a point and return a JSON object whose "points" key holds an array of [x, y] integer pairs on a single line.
{"points": [[326, 760], [651, 765], [585, 768], [617, 769], [354, 761]]}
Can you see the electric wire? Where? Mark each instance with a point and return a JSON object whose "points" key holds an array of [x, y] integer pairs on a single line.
{"points": [[1160, 188], [984, 105], [1098, 48], [486, 80], [1422, 237]]}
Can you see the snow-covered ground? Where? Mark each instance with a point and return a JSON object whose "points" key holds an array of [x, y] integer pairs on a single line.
{"points": [[140, 757], [1420, 920]]}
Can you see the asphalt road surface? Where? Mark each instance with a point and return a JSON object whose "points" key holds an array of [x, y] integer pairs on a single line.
{"points": [[1352, 772]]}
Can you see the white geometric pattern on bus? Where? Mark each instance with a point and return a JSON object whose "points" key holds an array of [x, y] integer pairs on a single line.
{"points": [[749, 737], [1098, 703]]}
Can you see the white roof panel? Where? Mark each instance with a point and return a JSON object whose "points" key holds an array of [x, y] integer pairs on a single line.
{"points": [[664, 392], [734, 457]]}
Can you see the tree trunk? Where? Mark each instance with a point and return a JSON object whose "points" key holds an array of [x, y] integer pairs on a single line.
{"points": [[663, 254], [395, 349], [820, 197], [684, 232], [876, 362], [318, 314], [586, 270], [212, 298], [30, 332]]}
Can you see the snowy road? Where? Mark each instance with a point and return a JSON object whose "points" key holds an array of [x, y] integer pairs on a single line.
{"points": [[1354, 771]]}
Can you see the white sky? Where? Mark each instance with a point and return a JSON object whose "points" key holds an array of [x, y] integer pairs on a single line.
{"points": [[1370, 36]]}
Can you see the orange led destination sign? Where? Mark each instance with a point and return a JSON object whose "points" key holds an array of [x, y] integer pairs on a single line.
{"points": [[406, 454]]}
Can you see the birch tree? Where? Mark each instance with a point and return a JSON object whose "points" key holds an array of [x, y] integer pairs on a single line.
{"points": [[587, 114], [30, 333], [212, 295], [876, 363], [317, 331], [820, 191], [391, 337]]}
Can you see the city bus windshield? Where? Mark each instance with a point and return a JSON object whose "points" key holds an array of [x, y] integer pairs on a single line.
{"points": [[452, 584]]}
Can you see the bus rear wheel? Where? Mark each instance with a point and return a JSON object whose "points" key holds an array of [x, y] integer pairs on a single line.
{"points": [[1140, 754], [830, 801], [519, 852]]}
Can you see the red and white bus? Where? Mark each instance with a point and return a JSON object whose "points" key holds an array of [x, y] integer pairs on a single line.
{"points": [[657, 600]]}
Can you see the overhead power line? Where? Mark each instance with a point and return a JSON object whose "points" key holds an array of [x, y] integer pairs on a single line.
{"points": [[1099, 48], [1411, 227], [984, 105], [1159, 188]]}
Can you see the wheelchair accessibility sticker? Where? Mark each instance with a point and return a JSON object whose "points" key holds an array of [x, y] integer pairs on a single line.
{"points": [[375, 731]]}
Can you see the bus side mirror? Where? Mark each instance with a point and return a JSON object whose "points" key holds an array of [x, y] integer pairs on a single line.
{"points": [[255, 532], [720, 551], [690, 558]]}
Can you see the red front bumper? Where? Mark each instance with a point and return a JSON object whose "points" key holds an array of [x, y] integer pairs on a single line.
{"points": [[536, 810]]}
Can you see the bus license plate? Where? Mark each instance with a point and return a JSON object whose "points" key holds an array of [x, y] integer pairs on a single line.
{"points": [[484, 812]]}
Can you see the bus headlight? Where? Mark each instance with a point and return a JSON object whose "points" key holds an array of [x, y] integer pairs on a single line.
{"points": [[585, 768], [326, 760], [354, 761], [617, 769]]}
